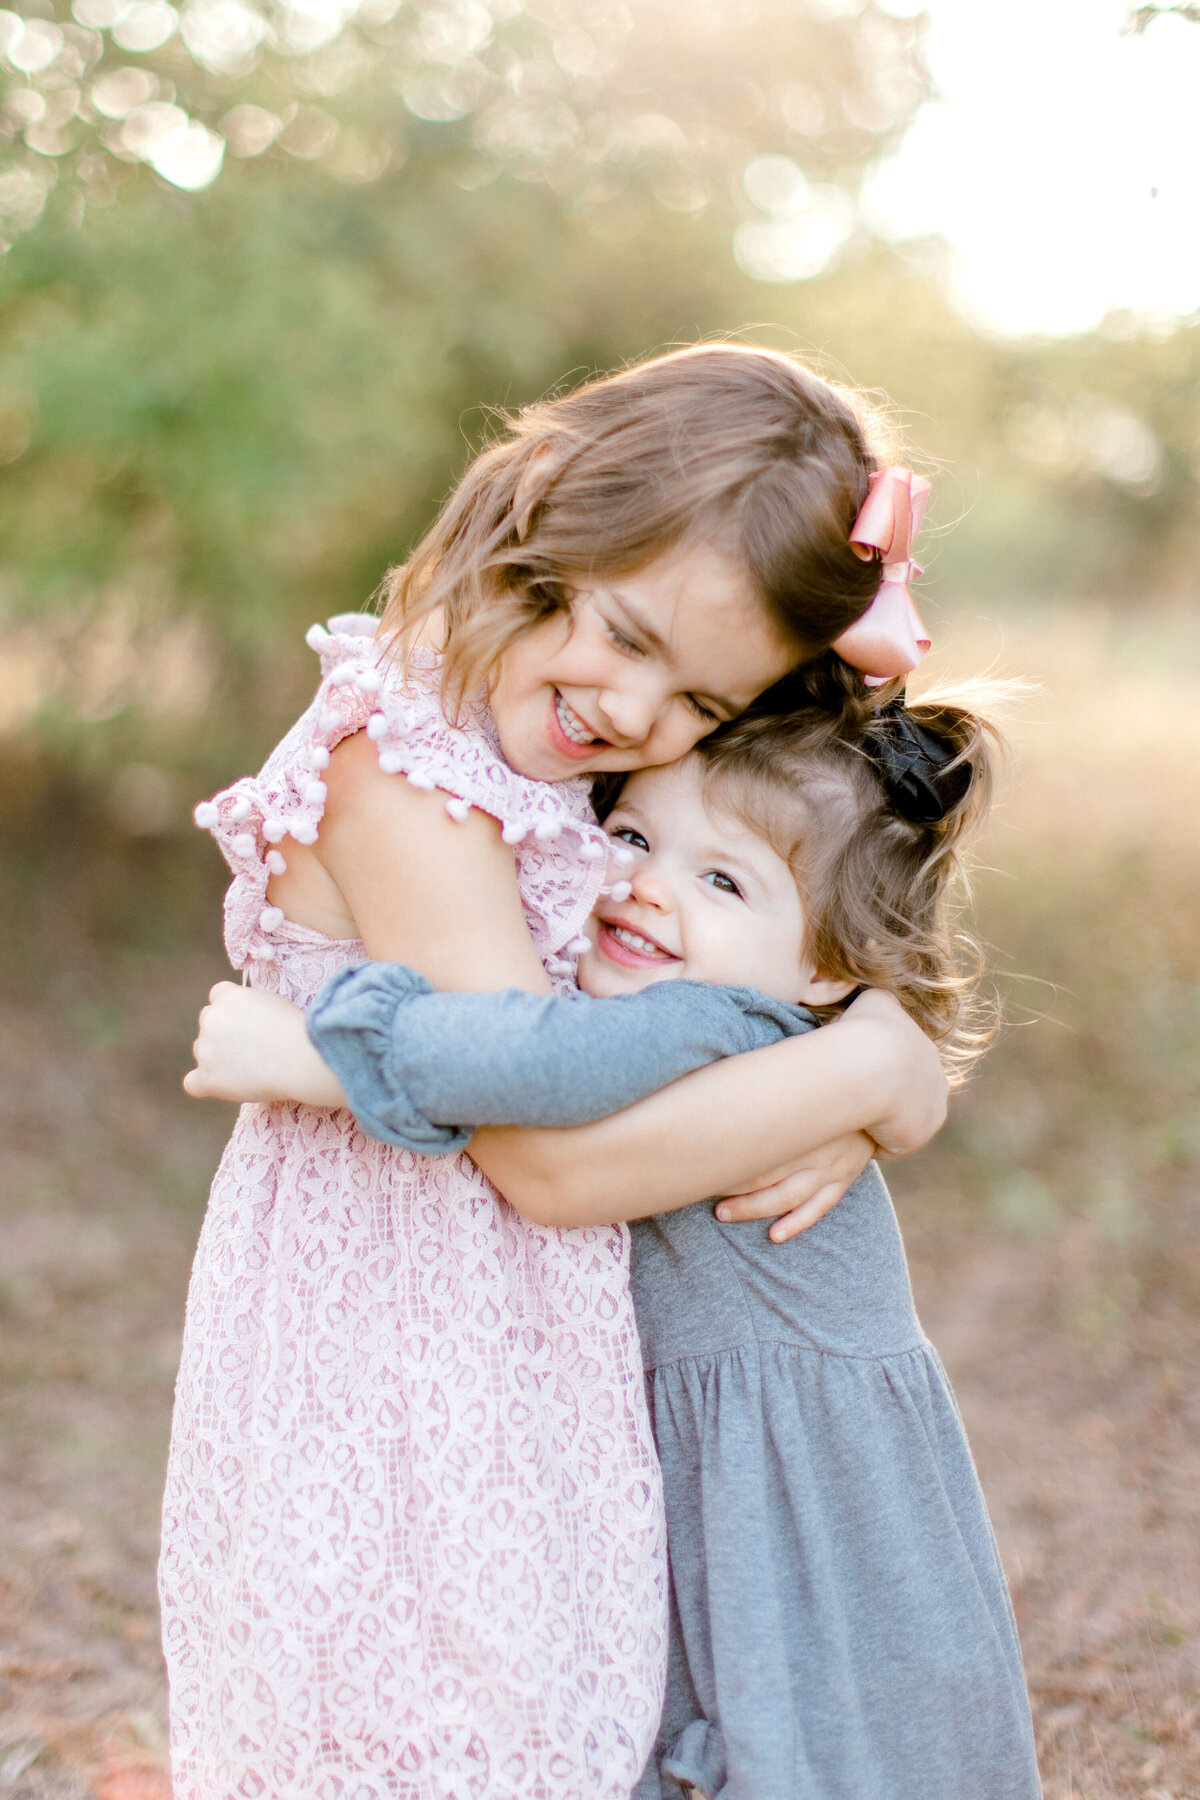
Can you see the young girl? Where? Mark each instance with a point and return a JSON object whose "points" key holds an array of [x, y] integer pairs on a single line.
{"points": [[412, 1529], [840, 1626]]}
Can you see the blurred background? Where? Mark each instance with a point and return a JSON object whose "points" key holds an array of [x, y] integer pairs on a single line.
{"points": [[269, 267]]}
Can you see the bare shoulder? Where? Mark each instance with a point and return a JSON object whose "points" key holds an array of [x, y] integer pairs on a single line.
{"points": [[427, 878]]}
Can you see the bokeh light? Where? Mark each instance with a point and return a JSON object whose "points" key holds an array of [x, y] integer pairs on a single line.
{"points": [[1059, 162]]}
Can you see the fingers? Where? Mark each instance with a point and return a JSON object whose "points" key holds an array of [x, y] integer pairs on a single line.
{"points": [[801, 1217], [193, 1082], [769, 1202], [794, 1204], [761, 1182]]}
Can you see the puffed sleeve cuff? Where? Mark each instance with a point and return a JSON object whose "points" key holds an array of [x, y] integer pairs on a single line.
{"points": [[351, 1023]]}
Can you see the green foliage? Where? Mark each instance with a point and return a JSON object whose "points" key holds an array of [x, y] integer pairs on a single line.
{"points": [[1141, 17], [598, 98], [224, 413], [242, 411]]}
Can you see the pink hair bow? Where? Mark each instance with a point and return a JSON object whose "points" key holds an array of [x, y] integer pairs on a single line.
{"points": [[889, 639]]}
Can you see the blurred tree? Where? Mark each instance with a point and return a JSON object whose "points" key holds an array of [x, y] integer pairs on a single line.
{"points": [[226, 404], [223, 413], [595, 97], [223, 419], [1142, 16]]}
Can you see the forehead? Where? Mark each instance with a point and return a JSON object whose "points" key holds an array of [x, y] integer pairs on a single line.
{"points": [[673, 803]]}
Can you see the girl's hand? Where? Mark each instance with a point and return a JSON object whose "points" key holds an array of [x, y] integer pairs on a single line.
{"points": [[874, 1071], [254, 1046], [801, 1193], [898, 1050]]}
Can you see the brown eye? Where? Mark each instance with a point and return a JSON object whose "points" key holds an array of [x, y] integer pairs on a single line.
{"points": [[725, 884]]}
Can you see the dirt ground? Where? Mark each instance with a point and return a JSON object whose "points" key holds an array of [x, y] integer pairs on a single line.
{"points": [[1082, 1408]]}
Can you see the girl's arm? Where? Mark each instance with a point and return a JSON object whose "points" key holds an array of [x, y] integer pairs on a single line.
{"points": [[422, 888], [800, 1193], [874, 1071], [423, 1069], [442, 896], [417, 886], [254, 1046]]}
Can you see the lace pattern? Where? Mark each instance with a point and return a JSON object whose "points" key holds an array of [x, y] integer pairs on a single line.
{"points": [[561, 853], [412, 1535]]}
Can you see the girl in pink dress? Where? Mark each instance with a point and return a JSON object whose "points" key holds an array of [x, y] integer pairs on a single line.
{"points": [[413, 1540]]}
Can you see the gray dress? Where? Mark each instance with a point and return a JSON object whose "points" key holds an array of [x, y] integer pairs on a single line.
{"points": [[840, 1625]]}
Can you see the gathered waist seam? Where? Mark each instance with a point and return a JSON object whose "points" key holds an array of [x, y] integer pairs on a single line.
{"points": [[760, 1343]]}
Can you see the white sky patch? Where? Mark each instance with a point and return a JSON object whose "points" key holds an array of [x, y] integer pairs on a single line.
{"points": [[1062, 163]]}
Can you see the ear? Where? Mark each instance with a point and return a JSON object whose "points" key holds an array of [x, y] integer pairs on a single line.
{"points": [[532, 483], [824, 990]]}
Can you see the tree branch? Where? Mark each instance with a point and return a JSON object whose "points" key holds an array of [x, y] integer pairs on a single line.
{"points": [[1142, 16]]}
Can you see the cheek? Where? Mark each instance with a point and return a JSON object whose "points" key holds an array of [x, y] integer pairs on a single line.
{"points": [[714, 945], [745, 951], [781, 965], [583, 642], [587, 975], [518, 677], [533, 660], [675, 735]]}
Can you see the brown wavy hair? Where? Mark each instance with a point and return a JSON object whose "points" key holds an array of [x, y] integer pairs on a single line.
{"points": [[739, 448], [884, 896]]}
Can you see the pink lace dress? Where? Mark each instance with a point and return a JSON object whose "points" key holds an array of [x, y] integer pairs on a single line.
{"points": [[412, 1536]]}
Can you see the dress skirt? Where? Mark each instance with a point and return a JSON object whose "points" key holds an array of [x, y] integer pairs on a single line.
{"points": [[841, 1627]]}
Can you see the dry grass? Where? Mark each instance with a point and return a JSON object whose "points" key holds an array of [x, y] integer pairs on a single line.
{"points": [[1054, 1232]]}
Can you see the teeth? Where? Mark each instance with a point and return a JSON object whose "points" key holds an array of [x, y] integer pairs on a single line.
{"points": [[572, 726], [634, 942]]}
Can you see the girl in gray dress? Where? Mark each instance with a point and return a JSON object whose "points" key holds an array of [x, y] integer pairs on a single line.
{"points": [[841, 1629]]}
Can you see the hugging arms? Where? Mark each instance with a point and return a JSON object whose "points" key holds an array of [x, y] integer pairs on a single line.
{"points": [[780, 1126]]}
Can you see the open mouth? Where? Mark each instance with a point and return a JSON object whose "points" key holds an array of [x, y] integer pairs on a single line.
{"points": [[571, 734], [631, 948]]}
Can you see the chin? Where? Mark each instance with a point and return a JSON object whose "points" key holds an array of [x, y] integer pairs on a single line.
{"points": [[522, 755], [603, 980], [590, 977], [536, 760]]}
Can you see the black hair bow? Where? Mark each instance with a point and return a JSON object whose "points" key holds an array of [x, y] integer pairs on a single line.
{"points": [[915, 765]]}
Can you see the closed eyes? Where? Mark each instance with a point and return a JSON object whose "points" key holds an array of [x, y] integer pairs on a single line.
{"points": [[630, 647], [627, 645], [704, 712]]}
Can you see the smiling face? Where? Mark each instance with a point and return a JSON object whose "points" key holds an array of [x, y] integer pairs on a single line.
{"points": [[709, 900], [639, 670]]}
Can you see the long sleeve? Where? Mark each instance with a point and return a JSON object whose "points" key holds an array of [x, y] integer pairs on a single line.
{"points": [[422, 1069]]}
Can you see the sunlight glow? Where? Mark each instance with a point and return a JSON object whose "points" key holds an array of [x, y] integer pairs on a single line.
{"points": [[1059, 164]]}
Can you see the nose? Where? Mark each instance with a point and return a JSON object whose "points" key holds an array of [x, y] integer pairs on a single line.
{"points": [[630, 710], [650, 885]]}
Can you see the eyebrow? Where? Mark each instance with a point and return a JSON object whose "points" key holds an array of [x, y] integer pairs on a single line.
{"points": [[640, 623]]}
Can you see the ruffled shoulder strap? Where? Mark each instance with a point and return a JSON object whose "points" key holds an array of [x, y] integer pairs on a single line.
{"points": [[561, 853]]}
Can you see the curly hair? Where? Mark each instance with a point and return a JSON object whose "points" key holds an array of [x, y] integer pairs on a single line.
{"points": [[884, 895]]}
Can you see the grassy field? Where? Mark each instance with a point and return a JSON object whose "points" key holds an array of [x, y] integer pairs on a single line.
{"points": [[1054, 1231]]}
